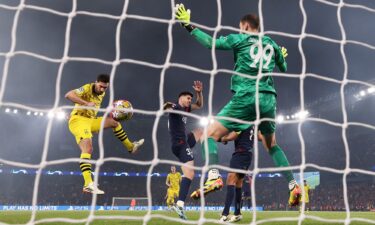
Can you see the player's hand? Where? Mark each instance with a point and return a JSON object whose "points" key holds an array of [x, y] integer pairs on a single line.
{"points": [[90, 104], [198, 86], [168, 105], [182, 14], [284, 52]]}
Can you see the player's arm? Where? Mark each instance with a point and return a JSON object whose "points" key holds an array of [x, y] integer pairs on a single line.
{"points": [[223, 43], [75, 96], [198, 87], [229, 137], [280, 55], [167, 182]]}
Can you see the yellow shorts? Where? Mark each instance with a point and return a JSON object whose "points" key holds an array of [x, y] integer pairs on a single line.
{"points": [[82, 127], [172, 193]]}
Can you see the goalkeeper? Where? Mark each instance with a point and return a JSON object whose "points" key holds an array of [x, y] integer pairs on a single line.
{"points": [[83, 122], [249, 49]]}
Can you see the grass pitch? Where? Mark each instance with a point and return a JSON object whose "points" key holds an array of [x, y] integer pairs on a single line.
{"points": [[168, 218]]}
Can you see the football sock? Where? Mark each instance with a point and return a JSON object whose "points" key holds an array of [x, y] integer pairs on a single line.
{"points": [[228, 200], [170, 200], [237, 203], [213, 156], [184, 188], [123, 137], [86, 168], [280, 160]]}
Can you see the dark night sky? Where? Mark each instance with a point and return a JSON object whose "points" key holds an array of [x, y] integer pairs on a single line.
{"points": [[32, 81]]}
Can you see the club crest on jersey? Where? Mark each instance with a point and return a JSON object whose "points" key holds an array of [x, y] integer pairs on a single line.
{"points": [[189, 152], [184, 119]]}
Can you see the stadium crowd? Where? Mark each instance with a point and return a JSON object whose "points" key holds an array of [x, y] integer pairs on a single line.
{"points": [[67, 191]]}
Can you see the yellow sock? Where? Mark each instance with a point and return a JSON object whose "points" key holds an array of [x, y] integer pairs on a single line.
{"points": [[123, 137], [170, 201], [86, 168]]}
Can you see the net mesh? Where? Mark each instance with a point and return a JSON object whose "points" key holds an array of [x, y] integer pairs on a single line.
{"points": [[19, 9]]}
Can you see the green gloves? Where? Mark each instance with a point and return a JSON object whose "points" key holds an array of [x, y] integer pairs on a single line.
{"points": [[182, 14], [284, 52]]}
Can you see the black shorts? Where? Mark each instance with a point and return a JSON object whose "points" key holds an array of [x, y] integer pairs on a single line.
{"points": [[241, 160], [182, 148]]}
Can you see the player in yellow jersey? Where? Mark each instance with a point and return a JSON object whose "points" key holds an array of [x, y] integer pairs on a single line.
{"points": [[173, 183], [83, 122], [306, 200]]}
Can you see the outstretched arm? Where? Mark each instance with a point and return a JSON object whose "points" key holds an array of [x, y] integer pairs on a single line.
{"points": [[167, 182], [224, 43], [198, 87]]}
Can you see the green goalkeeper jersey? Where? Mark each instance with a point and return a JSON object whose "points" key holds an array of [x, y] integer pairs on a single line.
{"points": [[247, 58]]}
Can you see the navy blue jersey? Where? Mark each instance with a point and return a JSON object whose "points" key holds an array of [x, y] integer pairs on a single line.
{"points": [[177, 123], [245, 140]]}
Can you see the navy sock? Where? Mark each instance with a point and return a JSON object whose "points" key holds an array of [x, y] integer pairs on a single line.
{"points": [[228, 199], [184, 188], [237, 205]]}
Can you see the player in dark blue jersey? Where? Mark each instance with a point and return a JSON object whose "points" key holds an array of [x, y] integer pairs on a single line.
{"points": [[246, 191], [241, 159], [182, 142]]}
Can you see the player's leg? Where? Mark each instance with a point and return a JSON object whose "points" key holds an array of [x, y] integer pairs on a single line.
{"points": [[80, 127], [231, 182], [170, 198], [214, 182], [185, 155], [236, 108], [119, 132], [237, 199], [267, 104], [188, 175]]}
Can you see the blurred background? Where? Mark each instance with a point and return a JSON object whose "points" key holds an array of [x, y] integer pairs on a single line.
{"points": [[33, 83]]}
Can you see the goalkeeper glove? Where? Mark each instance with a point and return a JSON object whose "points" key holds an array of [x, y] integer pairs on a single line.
{"points": [[284, 52], [182, 14]]}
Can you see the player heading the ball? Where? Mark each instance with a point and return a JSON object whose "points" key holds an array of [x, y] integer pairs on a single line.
{"points": [[84, 121]]}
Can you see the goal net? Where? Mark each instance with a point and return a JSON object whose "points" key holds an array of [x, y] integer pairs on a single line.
{"points": [[325, 104]]}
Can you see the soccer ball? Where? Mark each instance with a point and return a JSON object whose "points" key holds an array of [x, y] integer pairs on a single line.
{"points": [[123, 110]]}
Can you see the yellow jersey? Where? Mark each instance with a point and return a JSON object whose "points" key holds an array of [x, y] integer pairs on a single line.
{"points": [[174, 180], [307, 189], [87, 93]]}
